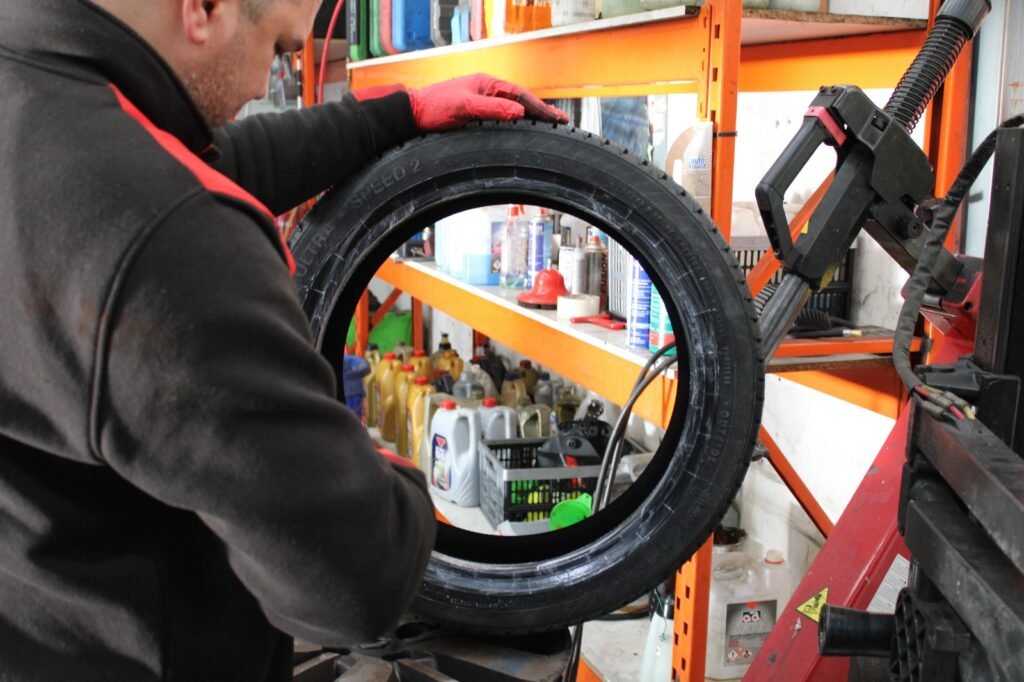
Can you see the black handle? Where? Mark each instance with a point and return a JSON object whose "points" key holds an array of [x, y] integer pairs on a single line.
{"points": [[770, 193]]}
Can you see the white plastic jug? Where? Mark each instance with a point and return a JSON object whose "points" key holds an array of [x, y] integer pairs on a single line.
{"points": [[454, 454], [497, 422]]}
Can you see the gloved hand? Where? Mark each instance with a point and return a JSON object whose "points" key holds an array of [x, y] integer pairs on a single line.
{"points": [[394, 459], [455, 102]]}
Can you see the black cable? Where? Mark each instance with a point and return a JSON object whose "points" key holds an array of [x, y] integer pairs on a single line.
{"points": [[917, 285], [602, 489]]}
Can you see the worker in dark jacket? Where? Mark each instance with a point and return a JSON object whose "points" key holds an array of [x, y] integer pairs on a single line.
{"points": [[179, 486]]}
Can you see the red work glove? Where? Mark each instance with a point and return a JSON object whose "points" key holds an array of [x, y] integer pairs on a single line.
{"points": [[454, 103], [394, 459]]}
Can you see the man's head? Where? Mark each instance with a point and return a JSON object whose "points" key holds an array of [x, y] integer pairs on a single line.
{"points": [[221, 49]]}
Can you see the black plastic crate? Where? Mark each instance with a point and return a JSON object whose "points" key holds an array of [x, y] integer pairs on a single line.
{"points": [[514, 488], [833, 299]]}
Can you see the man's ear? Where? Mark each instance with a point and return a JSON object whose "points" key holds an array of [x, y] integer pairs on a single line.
{"points": [[209, 20]]}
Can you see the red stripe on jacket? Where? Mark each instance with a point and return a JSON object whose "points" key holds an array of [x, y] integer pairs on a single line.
{"points": [[212, 180]]}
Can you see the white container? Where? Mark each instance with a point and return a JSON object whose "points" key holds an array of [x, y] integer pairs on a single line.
{"points": [[454, 455], [798, 5], [497, 422], [741, 613], [777, 577], [564, 12]]}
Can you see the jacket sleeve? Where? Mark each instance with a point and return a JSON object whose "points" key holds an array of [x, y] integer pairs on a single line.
{"points": [[213, 399], [284, 159]]}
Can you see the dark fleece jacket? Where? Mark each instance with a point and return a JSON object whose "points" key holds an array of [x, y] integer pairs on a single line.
{"points": [[179, 486]]}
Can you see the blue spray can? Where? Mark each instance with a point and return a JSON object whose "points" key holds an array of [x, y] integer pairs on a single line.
{"points": [[638, 320]]}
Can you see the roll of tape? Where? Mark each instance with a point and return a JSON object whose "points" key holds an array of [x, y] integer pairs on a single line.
{"points": [[578, 305]]}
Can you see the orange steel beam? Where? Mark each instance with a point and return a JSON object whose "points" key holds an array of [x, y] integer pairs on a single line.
{"points": [[417, 324], [362, 318], [807, 348], [385, 307], [947, 132], [586, 673], [721, 21], [601, 371], [870, 61], [796, 484], [878, 389], [659, 54], [307, 59], [690, 626], [766, 268]]}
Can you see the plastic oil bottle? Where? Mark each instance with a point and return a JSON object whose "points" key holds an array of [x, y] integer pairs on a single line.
{"points": [[454, 465], [741, 611], [422, 364], [387, 369], [544, 390], [370, 383], [402, 383], [566, 404], [451, 363], [444, 345], [468, 387], [431, 403], [527, 15], [513, 391], [514, 246], [419, 392], [529, 375], [497, 422]]}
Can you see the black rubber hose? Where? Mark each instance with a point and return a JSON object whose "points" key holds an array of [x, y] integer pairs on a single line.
{"points": [[917, 285], [929, 69]]}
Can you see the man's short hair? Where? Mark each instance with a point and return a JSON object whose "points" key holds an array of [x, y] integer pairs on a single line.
{"points": [[254, 9]]}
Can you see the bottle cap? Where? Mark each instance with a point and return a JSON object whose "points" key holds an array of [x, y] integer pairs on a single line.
{"points": [[490, 402], [419, 353], [774, 557], [390, 356], [546, 376], [511, 376], [372, 346], [449, 405], [421, 381], [408, 368], [525, 364]]}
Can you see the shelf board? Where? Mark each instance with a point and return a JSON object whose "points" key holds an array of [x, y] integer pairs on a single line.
{"points": [[598, 358], [765, 26], [588, 356], [585, 59]]}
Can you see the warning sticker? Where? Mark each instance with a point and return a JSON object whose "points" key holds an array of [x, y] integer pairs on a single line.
{"points": [[747, 626], [813, 606]]}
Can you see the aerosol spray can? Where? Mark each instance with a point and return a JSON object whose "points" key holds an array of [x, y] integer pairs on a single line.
{"points": [[537, 253], [638, 321], [579, 269], [597, 268]]}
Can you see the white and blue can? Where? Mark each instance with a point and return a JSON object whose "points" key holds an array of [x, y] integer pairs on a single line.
{"points": [[536, 253], [638, 319]]}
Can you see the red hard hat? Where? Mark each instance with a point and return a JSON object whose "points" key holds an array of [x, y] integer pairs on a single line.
{"points": [[548, 285]]}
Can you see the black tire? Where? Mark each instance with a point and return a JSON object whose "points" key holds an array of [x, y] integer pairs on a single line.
{"points": [[503, 584]]}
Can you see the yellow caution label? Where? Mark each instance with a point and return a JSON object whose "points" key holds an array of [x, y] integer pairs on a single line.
{"points": [[813, 606]]}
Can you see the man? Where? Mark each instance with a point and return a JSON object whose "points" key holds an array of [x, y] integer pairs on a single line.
{"points": [[178, 484]]}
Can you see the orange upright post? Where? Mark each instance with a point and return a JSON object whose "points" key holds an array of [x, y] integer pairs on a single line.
{"points": [[690, 638], [717, 92]]}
